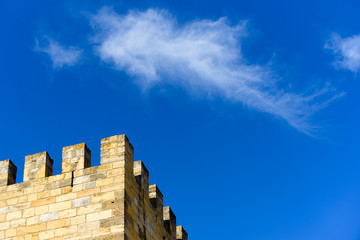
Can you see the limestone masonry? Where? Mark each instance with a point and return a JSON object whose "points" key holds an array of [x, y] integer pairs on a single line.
{"points": [[110, 201]]}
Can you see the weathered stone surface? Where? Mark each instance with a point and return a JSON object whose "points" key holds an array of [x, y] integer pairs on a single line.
{"points": [[38, 166], [7, 172], [181, 234], [76, 157], [110, 201]]}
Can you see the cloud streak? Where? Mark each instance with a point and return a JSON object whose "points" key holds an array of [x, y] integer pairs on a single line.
{"points": [[203, 56], [346, 51], [59, 54]]}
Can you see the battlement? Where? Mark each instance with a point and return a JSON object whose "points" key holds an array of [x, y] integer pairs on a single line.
{"points": [[109, 201]]}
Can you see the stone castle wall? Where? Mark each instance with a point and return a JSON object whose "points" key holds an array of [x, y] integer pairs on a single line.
{"points": [[110, 201]]}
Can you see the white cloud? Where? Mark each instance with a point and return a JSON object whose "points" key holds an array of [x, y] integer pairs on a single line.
{"points": [[59, 54], [346, 50], [203, 56]]}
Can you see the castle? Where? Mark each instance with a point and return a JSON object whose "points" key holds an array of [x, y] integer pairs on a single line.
{"points": [[109, 201]]}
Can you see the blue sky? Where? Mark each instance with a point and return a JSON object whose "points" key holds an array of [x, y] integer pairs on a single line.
{"points": [[245, 112]]}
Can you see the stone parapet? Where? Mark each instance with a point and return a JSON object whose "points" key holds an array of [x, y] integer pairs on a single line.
{"points": [[109, 201]]}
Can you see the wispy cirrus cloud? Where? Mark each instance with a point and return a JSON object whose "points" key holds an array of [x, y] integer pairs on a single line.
{"points": [[203, 56], [59, 54], [346, 50]]}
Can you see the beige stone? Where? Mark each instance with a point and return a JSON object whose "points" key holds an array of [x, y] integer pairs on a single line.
{"points": [[106, 202]]}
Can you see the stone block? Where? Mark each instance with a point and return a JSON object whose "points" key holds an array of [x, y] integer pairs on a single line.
{"points": [[181, 234], [76, 157], [169, 222], [38, 166], [7, 172]]}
